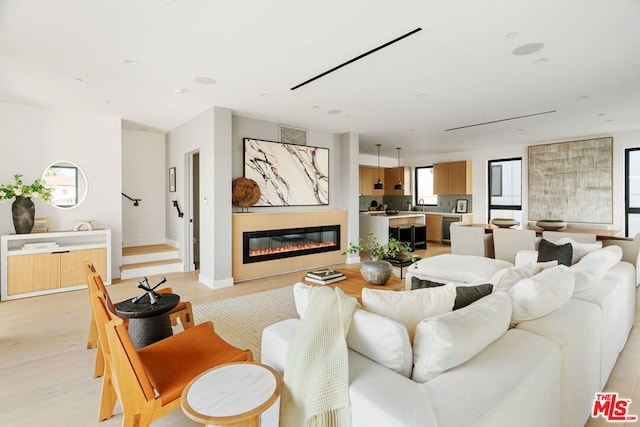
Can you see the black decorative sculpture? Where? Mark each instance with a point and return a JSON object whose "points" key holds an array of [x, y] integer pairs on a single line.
{"points": [[153, 295]]}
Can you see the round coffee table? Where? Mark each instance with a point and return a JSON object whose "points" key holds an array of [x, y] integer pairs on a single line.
{"points": [[148, 322], [231, 394]]}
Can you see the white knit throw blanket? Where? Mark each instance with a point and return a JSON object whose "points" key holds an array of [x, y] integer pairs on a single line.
{"points": [[316, 375]]}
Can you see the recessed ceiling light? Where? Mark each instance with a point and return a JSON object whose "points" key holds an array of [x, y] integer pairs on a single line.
{"points": [[541, 61], [203, 80], [512, 35], [131, 62], [334, 111], [528, 49], [178, 90], [265, 95]]}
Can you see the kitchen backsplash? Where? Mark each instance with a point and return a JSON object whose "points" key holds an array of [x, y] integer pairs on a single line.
{"points": [[445, 203]]}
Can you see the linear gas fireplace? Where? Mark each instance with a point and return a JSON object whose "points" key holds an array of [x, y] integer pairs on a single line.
{"points": [[267, 245]]}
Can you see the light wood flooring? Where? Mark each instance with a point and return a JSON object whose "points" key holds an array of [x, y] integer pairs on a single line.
{"points": [[46, 370]]}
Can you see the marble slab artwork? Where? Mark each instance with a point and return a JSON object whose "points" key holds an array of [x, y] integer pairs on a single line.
{"points": [[287, 174], [572, 181]]}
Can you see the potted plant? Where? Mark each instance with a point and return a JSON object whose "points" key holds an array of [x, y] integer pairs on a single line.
{"points": [[376, 270], [22, 209]]}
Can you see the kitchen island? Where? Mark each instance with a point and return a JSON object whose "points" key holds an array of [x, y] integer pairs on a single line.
{"points": [[407, 227]]}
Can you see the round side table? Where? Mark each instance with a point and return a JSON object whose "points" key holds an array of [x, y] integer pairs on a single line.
{"points": [[233, 394], [148, 322]]}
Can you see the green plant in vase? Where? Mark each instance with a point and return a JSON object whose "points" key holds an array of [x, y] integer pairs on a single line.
{"points": [[375, 270]]}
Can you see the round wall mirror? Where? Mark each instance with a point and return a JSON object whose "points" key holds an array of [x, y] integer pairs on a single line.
{"points": [[68, 182]]}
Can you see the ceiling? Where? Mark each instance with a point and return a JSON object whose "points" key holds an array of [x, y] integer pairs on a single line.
{"points": [[129, 58]]}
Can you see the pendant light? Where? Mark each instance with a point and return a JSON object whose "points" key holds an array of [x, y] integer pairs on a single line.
{"points": [[378, 185], [399, 185]]}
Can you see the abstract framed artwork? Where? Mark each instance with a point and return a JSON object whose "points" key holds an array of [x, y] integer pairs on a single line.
{"points": [[287, 174], [572, 181]]}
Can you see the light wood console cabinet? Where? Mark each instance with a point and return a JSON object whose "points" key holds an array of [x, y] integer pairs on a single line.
{"points": [[42, 263]]}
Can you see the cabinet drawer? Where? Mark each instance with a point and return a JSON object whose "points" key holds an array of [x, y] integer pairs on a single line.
{"points": [[31, 273]]}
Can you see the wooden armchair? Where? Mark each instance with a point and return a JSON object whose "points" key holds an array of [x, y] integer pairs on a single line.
{"points": [[182, 311], [149, 382]]}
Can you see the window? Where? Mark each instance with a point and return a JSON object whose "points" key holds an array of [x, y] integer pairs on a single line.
{"points": [[632, 191], [424, 186], [505, 189]]}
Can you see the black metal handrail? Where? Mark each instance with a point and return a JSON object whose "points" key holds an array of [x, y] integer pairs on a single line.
{"points": [[135, 201], [177, 206]]}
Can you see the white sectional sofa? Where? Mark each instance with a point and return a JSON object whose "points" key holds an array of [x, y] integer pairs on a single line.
{"points": [[540, 372]]}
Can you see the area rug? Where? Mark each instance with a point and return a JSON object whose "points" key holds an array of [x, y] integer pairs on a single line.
{"points": [[240, 320]]}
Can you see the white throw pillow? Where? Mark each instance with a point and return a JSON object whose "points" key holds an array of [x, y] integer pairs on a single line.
{"points": [[591, 269], [526, 256], [457, 268], [379, 338], [579, 249], [448, 340], [541, 294], [503, 280], [382, 340], [410, 307]]}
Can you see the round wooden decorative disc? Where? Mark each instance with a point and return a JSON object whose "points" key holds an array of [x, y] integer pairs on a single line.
{"points": [[245, 192]]}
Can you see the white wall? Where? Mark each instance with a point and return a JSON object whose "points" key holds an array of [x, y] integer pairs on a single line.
{"points": [[480, 158], [33, 137], [244, 127], [143, 177]]}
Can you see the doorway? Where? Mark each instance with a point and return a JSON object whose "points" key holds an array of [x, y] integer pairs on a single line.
{"points": [[193, 192]]}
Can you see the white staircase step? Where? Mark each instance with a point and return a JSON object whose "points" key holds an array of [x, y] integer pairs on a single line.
{"points": [[148, 253], [129, 271]]}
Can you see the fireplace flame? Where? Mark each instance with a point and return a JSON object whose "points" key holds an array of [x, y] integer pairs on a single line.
{"points": [[290, 248]]}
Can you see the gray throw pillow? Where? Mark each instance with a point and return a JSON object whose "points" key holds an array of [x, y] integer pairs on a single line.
{"points": [[465, 295], [423, 283], [548, 251]]}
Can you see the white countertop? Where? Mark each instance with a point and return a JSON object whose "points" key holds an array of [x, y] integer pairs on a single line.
{"points": [[399, 215]]}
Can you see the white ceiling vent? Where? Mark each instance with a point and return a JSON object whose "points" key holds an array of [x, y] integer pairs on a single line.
{"points": [[291, 135]]}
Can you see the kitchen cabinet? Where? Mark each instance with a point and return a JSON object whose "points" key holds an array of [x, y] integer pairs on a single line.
{"points": [[453, 178], [434, 228], [42, 263], [391, 178], [436, 223], [368, 178]]}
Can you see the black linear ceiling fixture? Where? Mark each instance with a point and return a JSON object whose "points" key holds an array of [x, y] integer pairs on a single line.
{"points": [[501, 120], [369, 52]]}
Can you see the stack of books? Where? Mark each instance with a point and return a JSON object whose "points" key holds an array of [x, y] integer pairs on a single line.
{"points": [[324, 277], [39, 245]]}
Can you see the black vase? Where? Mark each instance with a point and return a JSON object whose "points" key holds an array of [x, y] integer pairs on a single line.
{"points": [[23, 211]]}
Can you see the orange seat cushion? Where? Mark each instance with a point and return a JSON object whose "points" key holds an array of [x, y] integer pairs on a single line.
{"points": [[200, 349]]}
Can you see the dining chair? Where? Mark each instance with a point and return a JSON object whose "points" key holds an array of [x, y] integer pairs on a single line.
{"points": [[149, 382], [183, 312], [471, 241], [508, 241]]}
